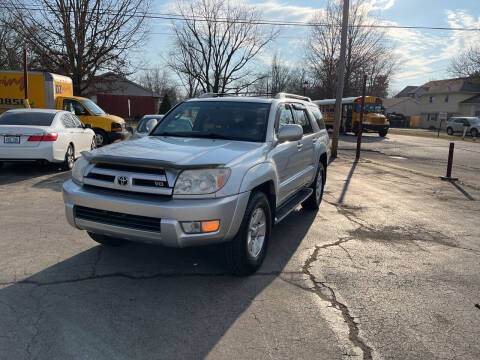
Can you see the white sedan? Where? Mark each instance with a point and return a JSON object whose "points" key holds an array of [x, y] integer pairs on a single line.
{"points": [[43, 135]]}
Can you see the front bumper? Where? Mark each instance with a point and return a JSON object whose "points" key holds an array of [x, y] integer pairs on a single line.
{"points": [[170, 212], [118, 135], [373, 127]]}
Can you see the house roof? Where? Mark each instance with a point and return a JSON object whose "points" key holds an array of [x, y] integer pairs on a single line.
{"points": [[457, 85], [405, 91], [473, 100], [115, 84]]}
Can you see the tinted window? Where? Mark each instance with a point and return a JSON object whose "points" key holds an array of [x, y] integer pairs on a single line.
{"points": [[318, 117], [27, 118], [141, 127], [302, 120], [74, 107], [67, 121], [234, 120], [77, 122], [285, 116]]}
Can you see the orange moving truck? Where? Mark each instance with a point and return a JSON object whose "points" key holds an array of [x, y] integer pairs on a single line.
{"points": [[52, 91]]}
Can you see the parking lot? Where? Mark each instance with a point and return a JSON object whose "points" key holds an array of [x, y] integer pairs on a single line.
{"points": [[388, 268]]}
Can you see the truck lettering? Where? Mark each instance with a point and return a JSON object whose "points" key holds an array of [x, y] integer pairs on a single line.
{"points": [[6, 82]]}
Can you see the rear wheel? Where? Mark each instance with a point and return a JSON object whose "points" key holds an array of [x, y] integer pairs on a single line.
{"points": [[383, 132], [449, 131], [245, 253], [101, 137], [474, 133], [69, 158], [106, 240], [314, 201]]}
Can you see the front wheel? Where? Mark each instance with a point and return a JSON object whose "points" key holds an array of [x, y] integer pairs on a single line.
{"points": [[245, 253], [314, 201], [383, 132], [474, 133], [106, 240], [450, 131], [101, 137]]}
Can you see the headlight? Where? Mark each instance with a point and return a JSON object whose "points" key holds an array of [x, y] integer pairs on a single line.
{"points": [[79, 169], [202, 181]]}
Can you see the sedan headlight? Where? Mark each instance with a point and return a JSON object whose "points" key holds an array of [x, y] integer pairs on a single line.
{"points": [[202, 181], [79, 169]]}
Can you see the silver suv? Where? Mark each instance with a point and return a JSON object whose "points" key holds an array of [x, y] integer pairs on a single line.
{"points": [[216, 170]]}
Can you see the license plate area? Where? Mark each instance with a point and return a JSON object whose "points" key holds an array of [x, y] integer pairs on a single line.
{"points": [[11, 139]]}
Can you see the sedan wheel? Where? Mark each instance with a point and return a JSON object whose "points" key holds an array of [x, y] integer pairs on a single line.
{"points": [[474, 133], [69, 158], [449, 131]]}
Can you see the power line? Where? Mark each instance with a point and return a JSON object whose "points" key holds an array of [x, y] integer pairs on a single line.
{"points": [[179, 17]]}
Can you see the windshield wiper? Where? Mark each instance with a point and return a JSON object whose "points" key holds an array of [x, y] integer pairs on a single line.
{"points": [[166, 133], [211, 135]]}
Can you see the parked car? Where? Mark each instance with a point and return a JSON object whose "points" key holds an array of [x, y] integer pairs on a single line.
{"points": [[54, 136], [145, 125], [458, 124], [239, 167]]}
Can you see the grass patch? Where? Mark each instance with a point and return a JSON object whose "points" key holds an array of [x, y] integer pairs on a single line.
{"points": [[431, 135]]}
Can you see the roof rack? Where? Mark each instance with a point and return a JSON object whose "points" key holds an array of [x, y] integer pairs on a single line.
{"points": [[292, 96]]}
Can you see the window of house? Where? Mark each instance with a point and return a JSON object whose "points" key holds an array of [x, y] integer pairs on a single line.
{"points": [[430, 99], [432, 116], [446, 98]]}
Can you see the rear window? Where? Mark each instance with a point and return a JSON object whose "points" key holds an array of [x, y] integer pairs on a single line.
{"points": [[27, 118]]}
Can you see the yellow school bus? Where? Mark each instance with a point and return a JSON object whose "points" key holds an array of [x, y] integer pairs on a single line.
{"points": [[373, 118], [53, 91]]}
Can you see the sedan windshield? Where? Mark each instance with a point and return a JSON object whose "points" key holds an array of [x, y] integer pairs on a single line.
{"points": [[232, 120], [27, 118], [94, 108]]}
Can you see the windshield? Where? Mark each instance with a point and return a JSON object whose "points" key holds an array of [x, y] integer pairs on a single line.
{"points": [[243, 121], [27, 118], [369, 108], [94, 108]]}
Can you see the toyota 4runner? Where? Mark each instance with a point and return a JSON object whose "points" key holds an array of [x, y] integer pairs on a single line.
{"points": [[216, 170]]}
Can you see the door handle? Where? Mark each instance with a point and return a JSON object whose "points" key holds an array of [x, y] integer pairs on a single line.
{"points": [[299, 146]]}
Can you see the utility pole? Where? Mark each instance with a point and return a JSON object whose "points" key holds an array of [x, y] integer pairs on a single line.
{"points": [[340, 75], [25, 78], [360, 125]]}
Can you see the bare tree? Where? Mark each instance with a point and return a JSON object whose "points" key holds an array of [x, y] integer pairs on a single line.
{"points": [[80, 38], [467, 64], [366, 52], [155, 80], [215, 42]]}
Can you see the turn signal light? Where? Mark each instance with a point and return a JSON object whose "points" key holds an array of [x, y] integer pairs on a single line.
{"points": [[210, 226], [198, 227], [46, 137]]}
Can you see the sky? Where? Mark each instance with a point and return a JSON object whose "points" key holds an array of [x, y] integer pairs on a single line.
{"points": [[423, 55]]}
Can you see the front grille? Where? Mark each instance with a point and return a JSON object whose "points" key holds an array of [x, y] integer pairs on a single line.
{"points": [[146, 182], [103, 177], [130, 168], [136, 222]]}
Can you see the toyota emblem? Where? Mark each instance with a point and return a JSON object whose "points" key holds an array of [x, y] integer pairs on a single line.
{"points": [[122, 180]]}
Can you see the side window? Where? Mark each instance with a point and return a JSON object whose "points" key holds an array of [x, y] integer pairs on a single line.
{"points": [[67, 121], [285, 116], [302, 120], [77, 122], [74, 107], [318, 117]]}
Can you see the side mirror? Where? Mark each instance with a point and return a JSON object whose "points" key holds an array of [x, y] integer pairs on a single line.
{"points": [[87, 126], [290, 132], [130, 129], [151, 124]]}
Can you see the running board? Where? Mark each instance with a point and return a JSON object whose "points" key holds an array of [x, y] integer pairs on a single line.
{"points": [[283, 211]]}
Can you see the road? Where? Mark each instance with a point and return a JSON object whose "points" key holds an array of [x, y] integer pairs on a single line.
{"points": [[424, 154], [388, 268]]}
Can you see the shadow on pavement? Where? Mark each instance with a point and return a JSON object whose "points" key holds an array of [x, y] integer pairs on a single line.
{"points": [[137, 301], [12, 173], [462, 190], [366, 138], [347, 182]]}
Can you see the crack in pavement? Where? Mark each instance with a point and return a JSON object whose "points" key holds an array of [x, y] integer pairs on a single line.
{"points": [[353, 330]]}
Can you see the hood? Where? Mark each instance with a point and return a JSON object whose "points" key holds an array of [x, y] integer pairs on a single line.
{"points": [[174, 152], [114, 118], [374, 118]]}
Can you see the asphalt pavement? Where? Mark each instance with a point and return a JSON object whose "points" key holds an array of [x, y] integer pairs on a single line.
{"points": [[388, 268], [423, 154]]}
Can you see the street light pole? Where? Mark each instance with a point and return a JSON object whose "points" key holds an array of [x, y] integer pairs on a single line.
{"points": [[340, 75]]}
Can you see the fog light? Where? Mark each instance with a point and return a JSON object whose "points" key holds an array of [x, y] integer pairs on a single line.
{"points": [[196, 227]]}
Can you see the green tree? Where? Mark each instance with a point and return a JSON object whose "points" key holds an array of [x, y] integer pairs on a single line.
{"points": [[165, 105]]}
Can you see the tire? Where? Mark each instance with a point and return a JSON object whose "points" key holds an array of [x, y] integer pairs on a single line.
{"points": [[69, 158], [244, 254], [383, 132], [450, 131], [101, 137], [474, 133], [93, 145], [314, 201], [106, 240]]}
